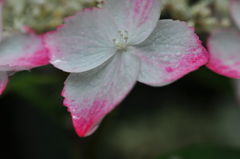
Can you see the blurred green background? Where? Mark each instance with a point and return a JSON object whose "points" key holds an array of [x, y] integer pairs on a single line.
{"points": [[196, 117]]}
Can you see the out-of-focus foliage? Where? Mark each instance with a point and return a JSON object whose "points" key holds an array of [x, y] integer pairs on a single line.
{"points": [[44, 15], [40, 15], [203, 152]]}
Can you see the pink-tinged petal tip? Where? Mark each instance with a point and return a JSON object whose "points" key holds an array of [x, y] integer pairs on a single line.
{"points": [[84, 127], [23, 51], [224, 49], [170, 52], [91, 95]]}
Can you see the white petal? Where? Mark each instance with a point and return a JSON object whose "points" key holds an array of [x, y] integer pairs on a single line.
{"points": [[91, 95], [83, 42], [3, 81], [224, 49], [235, 11], [138, 17], [22, 51], [170, 52]]}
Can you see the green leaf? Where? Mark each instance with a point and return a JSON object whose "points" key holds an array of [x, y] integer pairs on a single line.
{"points": [[203, 152]]}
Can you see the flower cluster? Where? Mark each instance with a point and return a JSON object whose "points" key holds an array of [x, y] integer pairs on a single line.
{"points": [[106, 51], [41, 15], [203, 15]]}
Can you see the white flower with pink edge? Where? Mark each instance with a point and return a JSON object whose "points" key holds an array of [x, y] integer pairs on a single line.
{"points": [[108, 50]]}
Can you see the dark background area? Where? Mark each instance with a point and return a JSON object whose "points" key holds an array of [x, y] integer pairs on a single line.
{"points": [[200, 108]]}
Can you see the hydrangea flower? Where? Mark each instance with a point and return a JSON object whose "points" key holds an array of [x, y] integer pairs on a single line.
{"points": [[108, 50], [20, 51], [224, 46]]}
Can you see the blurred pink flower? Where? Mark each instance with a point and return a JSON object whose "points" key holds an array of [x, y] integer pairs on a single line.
{"points": [[108, 50], [224, 46], [20, 51]]}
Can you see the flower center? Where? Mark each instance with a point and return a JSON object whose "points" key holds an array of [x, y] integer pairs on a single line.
{"points": [[121, 44]]}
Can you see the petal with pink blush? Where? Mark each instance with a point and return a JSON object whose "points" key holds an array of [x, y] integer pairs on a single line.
{"points": [[3, 81], [224, 49], [22, 51], [170, 52], [83, 42], [138, 17], [235, 11], [93, 94]]}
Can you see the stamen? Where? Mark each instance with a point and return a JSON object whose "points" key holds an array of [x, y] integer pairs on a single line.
{"points": [[125, 38], [121, 43], [114, 41]]}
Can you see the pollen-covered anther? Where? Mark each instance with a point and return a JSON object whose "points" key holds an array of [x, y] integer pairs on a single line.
{"points": [[121, 43], [114, 41]]}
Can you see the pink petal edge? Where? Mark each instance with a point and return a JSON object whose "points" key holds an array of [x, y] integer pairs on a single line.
{"points": [[196, 56], [88, 113], [80, 123], [217, 65], [38, 58], [43, 60]]}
